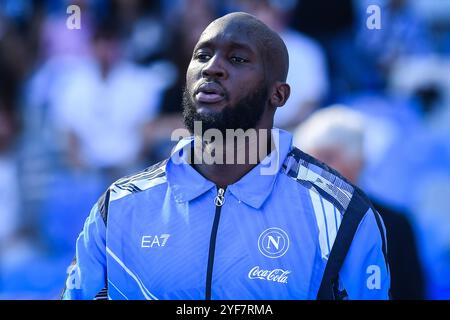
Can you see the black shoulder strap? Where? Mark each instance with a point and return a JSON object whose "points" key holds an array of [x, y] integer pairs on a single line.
{"points": [[356, 210], [103, 204]]}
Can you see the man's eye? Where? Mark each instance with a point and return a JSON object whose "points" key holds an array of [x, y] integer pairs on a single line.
{"points": [[203, 56], [238, 60]]}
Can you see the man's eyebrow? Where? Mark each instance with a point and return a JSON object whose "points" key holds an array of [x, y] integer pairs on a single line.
{"points": [[233, 44]]}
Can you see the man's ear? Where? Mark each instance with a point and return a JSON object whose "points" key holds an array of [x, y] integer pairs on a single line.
{"points": [[280, 94]]}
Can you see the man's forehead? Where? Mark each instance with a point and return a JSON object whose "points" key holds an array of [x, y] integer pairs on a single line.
{"points": [[232, 32]]}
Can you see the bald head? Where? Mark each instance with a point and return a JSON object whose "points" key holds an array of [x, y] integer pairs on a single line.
{"points": [[335, 135], [271, 46], [237, 75]]}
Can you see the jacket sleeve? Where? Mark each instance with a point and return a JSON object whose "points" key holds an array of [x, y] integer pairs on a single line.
{"points": [[87, 273], [365, 272]]}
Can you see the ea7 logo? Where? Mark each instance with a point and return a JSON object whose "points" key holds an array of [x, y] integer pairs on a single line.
{"points": [[154, 241], [374, 279]]}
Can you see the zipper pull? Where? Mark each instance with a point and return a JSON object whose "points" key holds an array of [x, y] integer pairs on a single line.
{"points": [[219, 200]]}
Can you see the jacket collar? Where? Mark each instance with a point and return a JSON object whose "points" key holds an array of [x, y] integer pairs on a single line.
{"points": [[253, 189]]}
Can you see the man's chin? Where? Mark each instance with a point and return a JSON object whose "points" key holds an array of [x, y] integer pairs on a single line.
{"points": [[203, 122], [209, 108]]}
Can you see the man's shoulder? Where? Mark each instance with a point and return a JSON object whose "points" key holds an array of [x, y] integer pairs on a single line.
{"points": [[140, 181], [319, 177], [143, 180], [336, 202]]}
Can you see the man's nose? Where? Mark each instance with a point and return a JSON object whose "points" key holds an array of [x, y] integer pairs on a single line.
{"points": [[214, 68]]}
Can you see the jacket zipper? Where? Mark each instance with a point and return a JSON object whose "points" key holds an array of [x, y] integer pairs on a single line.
{"points": [[219, 200]]}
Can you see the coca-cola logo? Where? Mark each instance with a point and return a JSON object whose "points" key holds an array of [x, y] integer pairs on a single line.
{"points": [[275, 275]]}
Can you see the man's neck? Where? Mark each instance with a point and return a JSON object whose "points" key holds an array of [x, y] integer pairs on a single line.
{"points": [[226, 163]]}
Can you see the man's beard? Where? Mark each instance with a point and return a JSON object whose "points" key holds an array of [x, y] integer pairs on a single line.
{"points": [[243, 115]]}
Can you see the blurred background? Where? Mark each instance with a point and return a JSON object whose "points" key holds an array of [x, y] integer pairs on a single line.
{"points": [[80, 108]]}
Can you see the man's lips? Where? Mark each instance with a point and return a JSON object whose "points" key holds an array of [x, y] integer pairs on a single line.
{"points": [[210, 92], [207, 97]]}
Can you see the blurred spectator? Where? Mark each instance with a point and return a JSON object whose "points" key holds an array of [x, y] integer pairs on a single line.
{"points": [[388, 120], [424, 78], [335, 135], [307, 65], [105, 105]]}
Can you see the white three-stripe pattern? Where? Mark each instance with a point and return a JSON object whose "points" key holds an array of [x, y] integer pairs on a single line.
{"points": [[141, 184], [328, 221], [340, 194], [147, 294]]}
